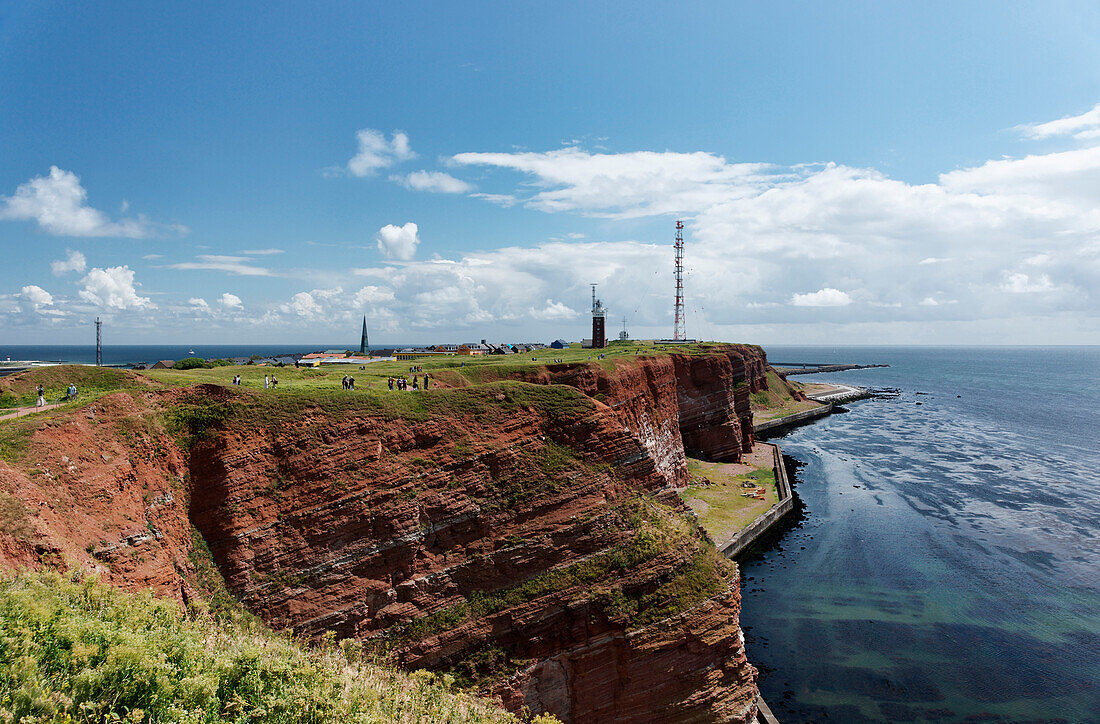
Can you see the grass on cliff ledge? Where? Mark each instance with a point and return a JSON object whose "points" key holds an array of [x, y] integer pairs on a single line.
{"points": [[77, 650], [454, 371], [197, 416]]}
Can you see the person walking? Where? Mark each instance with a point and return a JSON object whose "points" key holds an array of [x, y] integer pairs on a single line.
{"points": [[425, 382], [41, 401], [273, 382], [265, 382]]}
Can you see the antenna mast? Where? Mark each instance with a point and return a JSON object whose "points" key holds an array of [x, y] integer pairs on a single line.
{"points": [[678, 328], [98, 343]]}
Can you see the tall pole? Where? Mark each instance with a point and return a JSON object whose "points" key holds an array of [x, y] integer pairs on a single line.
{"points": [[678, 325], [98, 343]]}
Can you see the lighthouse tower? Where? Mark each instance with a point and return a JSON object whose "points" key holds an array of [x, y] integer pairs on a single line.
{"points": [[599, 336]]}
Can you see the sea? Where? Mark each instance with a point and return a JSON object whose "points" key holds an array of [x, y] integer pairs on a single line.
{"points": [[944, 564]]}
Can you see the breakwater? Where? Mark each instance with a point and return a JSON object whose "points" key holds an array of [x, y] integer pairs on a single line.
{"points": [[807, 368]]}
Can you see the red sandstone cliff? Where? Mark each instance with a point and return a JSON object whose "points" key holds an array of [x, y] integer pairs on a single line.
{"points": [[521, 535]]}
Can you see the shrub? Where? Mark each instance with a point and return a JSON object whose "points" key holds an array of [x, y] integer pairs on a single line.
{"points": [[190, 363]]}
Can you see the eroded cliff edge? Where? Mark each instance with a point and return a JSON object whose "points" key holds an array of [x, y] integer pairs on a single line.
{"points": [[521, 532]]}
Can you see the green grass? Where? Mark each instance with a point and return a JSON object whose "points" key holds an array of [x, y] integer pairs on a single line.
{"points": [[195, 416], [719, 505], [454, 371], [19, 390], [15, 436], [14, 518], [777, 400], [78, 651]]}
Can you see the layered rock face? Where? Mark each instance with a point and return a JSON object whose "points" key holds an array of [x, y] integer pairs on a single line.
{"points": [[522, 534]]}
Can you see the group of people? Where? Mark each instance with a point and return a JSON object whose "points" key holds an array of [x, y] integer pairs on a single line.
{"points": [[273, 382], [348, 382], [416, 368], [400, 383], [70, 395], [236, 380]]}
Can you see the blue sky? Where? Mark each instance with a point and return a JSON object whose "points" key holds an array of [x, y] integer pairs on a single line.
{"points": [[848, 172]]}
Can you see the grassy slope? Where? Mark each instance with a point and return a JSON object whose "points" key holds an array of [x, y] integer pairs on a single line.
{"points": [[82, 651], [19, 390], [777, 400]]}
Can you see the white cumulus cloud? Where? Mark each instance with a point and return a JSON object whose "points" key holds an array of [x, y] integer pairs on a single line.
{"points": [[398, 242], [375, 152], [113, 288], [304, 305], [230, 301], [372, 294], [37, 296], [553, 310], [74, 262], [827, 297], [57, 202]]}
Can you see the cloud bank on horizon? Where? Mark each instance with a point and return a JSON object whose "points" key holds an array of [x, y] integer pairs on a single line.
{"points": [[772, 250]]}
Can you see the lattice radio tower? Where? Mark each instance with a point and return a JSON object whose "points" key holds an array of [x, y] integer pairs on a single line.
{"points": [[678, 329], [98, 343]]}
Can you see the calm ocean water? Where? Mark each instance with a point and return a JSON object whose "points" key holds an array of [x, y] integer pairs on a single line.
{"points": [[948, 564]]}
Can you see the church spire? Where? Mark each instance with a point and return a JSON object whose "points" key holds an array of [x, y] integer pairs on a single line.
{"points": [[364, 344]]}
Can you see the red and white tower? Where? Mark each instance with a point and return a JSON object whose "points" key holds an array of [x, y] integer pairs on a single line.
{"points": [[599, 337], [678, 328]]}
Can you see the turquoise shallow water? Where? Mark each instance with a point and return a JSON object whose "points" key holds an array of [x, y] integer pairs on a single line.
{"points": [[947, 565]]}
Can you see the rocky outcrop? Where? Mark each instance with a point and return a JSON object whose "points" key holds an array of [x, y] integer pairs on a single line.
{"points": [[521, 533], [103, 487]]}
